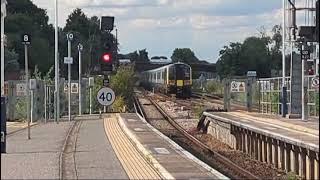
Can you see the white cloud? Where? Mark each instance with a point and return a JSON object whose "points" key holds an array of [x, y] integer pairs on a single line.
{"points": [[161, 25]]}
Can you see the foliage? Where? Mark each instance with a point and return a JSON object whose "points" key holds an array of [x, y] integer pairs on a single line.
{"points": [[21, 108], [214, 87], [98, 81], [137, 56], [119, 104], [261, 54], [123, 82], [184, 55], [11, 60], [87, 32], [292, 176], [198, 110], [25, 17]]}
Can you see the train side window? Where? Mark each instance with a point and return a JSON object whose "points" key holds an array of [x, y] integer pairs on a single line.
{"points": [[165, 75], [171, 73]]}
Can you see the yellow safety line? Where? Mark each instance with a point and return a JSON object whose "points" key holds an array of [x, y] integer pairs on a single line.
{"points": [[133, 163]]}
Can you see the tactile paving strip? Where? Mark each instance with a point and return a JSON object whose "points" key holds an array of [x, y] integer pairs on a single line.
{"points": [[133, 163]]}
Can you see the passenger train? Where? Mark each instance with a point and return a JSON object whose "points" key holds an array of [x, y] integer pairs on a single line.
{"points": [[174, 78]]}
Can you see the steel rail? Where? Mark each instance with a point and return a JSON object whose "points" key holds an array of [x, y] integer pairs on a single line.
{"points": [[223, 160]]}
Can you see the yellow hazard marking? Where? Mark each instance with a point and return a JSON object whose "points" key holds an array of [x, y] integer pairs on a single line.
{"points": [[133, 163], [179, 82]]}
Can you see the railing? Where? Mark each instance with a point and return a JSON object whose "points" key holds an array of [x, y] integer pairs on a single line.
{"points": [[270, 90]]}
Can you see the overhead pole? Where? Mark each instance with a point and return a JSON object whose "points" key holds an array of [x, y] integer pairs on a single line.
{"points": [[56, 65], [3, 15], [284, 88]]}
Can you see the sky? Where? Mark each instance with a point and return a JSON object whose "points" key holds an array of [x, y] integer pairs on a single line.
{"points": [[160, 26]]}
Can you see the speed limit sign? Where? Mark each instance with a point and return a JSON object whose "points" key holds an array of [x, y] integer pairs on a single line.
{"points": [[106, 96]]}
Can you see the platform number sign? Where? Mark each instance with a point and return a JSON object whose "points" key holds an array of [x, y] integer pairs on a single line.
{"points": [[26, 39], [106, 96]]}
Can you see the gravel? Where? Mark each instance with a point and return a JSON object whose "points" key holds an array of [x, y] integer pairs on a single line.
{"points": [[185, 118]]}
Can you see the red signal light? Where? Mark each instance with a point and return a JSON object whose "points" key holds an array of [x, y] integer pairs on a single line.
{"points": [[106, 57]]}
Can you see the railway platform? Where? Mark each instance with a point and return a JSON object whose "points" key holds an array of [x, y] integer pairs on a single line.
{"points": [[111, 146], [289, 144]]}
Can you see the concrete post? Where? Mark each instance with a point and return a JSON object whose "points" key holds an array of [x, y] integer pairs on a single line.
{"points": [[249, 91], [226, 97]]}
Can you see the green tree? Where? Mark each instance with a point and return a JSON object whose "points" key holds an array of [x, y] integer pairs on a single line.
{"points": [[184, 55], [11, 60], [229, 62], [255, 56], [25, 17]]}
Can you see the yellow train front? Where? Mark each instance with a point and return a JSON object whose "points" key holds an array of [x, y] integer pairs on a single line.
{"points": [[174, 78]]}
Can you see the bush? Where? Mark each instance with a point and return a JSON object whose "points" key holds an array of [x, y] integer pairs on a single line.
{"points": [[21, 108], [119, 104], [123, 82], [214, 87], [198, 110]]}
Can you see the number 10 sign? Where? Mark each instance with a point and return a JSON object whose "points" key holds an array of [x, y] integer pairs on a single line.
{"points": [[106, 96]]}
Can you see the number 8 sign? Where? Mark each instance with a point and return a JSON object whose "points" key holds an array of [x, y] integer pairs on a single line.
{"points": [[106, 96]]}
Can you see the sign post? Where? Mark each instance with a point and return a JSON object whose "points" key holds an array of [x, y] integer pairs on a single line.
{"points": [[91, 83], [26, 41], [69, 62], [80, 48]]}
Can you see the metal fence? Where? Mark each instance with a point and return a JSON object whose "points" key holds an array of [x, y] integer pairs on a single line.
{"points": [[42, 99], [312, 97], [270, 90]]}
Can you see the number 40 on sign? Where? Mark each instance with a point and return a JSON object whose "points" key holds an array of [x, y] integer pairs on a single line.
{"points": [[106, 96]]}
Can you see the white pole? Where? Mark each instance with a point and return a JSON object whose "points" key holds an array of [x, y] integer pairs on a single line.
{"points": [[283, 57], [80, 83], [90, 105], [283, 43], [2, 53], [302, 89], [45, 103], [69, 80], [31, 109], [57, 98], [27, 87]]}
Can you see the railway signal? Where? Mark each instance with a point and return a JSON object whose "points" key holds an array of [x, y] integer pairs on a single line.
{"points": [[108, 51]]}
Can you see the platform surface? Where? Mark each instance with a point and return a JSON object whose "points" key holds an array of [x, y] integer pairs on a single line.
{"points": [[305, 133], [37, 158], [112, 146], [175, 160]]}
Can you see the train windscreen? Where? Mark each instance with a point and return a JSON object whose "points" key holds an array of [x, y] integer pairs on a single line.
{"points": [[182, 72]]}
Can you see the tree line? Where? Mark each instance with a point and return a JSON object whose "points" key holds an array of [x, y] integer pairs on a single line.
{"points": [[261, 53], [258, 53]]}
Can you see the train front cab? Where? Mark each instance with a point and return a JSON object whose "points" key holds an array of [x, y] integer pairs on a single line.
{"points": [[180, 80]]}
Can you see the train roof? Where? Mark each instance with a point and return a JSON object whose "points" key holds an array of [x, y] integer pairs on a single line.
{"points": [[169, 65]]}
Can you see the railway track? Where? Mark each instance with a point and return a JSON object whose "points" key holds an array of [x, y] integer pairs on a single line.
{"points": [[208, 155], [218, 99]]}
